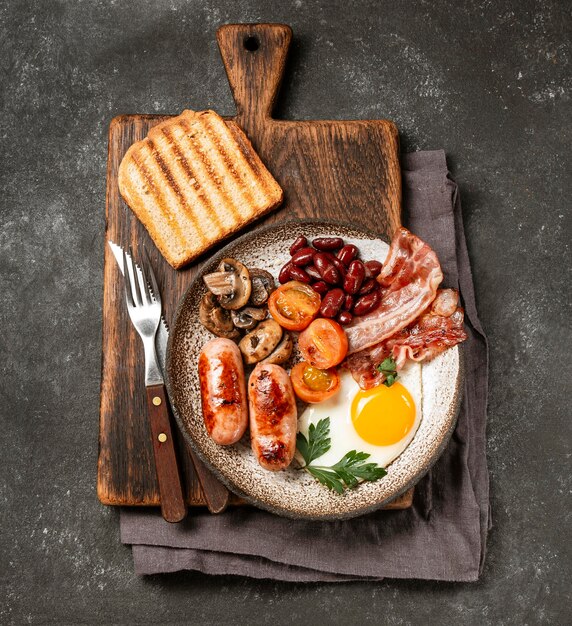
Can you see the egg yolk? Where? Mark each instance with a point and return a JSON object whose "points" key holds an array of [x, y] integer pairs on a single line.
{"points": [[383, 415]]}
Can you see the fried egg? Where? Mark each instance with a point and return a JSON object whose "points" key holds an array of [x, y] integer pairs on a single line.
{"points": [[381, 421]]}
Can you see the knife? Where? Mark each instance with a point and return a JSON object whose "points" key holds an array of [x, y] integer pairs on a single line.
{"points": [[216, 494]]}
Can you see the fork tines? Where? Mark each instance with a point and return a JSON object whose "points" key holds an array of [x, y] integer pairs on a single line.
{"points": [[137, 288]]}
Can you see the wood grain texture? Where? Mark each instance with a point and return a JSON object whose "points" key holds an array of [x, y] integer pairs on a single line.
{"points": [[342, 170]]}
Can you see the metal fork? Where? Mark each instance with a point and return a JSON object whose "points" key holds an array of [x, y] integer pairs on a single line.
{"points": [[144, 307]]}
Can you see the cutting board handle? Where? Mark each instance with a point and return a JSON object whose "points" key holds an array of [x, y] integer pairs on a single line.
{"points": [[254, 57]]}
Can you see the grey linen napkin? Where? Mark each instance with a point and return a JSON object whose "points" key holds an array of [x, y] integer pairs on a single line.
{"points": [[442, 536]]}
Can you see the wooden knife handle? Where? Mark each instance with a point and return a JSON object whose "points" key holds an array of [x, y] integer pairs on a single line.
{"points": [[173, 505], [254, 57], [216, 494]]}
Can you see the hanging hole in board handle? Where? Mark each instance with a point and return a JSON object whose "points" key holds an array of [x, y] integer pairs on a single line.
{"points": [[254, 57], [251, 44]]}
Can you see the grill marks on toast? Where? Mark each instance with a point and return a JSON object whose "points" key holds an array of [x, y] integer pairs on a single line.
{"points": [[264, 186], [224, 170], [149, 182], [210, 183], [194, 203], [234, 163], [173, 186], [254, 164], [206, 208], [193, 181], [165, 211]]}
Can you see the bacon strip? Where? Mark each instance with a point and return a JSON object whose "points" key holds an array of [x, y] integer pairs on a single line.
{"points": [[409, 281], [441, 327], [363, 365]]}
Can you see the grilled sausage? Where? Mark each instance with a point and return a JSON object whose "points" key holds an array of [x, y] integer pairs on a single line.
{"points": [[273, 416], [223, 391]]}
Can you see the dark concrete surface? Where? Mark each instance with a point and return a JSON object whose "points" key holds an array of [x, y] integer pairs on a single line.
{"points": [[487, 81]]}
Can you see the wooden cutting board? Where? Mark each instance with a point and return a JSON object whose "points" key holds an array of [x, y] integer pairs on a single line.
{"points": [[341, 170]]}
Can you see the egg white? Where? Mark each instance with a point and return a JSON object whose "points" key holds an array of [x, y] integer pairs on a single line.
{"points": [[342, 432]]}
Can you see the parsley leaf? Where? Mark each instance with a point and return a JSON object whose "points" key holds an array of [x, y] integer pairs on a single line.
{"points": [[388, 368], [352, 465], [347, 472], [327, 478], [318, 442]]}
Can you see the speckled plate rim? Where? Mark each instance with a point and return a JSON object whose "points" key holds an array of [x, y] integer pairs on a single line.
{"points": [[210, 265]]}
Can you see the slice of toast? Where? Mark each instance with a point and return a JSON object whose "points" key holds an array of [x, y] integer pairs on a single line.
{"points": [[194, 180]]}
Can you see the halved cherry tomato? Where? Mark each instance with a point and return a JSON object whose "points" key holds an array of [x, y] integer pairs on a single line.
{"points": [[314, 385], [294, 305], [323, 344]]}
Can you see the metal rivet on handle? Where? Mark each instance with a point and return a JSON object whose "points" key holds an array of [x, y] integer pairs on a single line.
{"points": [[162, 437], [156, 401]]}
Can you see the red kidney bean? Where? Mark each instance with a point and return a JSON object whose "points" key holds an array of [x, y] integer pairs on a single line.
{"points": [[367, 303], [338, 265], [297, 273], [321, 287], [327, 269], [368, 286], [354, 277], [345, 318], [332, 302], [299, 242], [284, 275], [373, 268], [328, 243], [348, 303], [347, 254], [313, 272], [303, 256]]}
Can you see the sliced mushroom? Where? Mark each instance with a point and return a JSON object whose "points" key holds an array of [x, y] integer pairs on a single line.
{"points": [[281, 352], [248, 317], [237, 275], [220, 283], [262, 286], [216, 319], [259, 343]]}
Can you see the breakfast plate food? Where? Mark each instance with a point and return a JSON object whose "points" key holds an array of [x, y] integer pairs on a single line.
{"points": [[179, 185], [314, 367]]}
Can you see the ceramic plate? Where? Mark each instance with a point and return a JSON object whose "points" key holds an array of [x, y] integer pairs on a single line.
{"points": [[291, 492]]}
